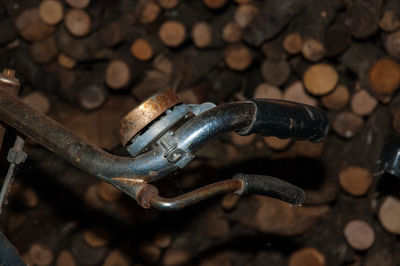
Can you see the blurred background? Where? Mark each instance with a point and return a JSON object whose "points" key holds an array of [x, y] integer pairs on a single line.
{"points": [[87, 63]]}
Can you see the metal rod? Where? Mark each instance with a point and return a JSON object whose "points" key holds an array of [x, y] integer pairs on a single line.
{"points": [[5, 187], [16, 156], [200, 194]]}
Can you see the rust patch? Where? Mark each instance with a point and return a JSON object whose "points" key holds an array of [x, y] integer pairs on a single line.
{"points": [[146, 112], [146, 194]]}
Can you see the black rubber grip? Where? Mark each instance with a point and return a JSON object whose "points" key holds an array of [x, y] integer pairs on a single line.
{"points": [[286, 119], [271, 187]]}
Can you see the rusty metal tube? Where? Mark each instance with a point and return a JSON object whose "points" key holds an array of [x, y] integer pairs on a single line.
{"points": [[192, 197], [75, 150]]}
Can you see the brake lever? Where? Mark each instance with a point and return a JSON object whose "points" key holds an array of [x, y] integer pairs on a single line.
{"points": [[240, 184]]}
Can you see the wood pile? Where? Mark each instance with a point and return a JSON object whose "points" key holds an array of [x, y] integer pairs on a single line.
{"points": [[87, 63]]}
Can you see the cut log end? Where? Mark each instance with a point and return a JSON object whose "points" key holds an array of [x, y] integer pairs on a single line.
{"points": [[37, 101], [242, 140], [51, 11], [66, 61], [359, 235], [238, 57], [384, 77], [232, 33], [92, 97], [116, 258], [307, 257], [31, 27], [265, 90], [347, 124], [92, 198], [389, 213], [245, 14], [389, 21], [292, 43], [175, 257], [78, 22], [162, 240], [118, 74], [313, 50], [29, 198], [40, 255], [320, 79], [202, 34], [295, 92], [362, 103], [275, 72], [149, 252], [65, 259], [337, 99], [96, 237], [277, 143], [172, 33], [229, 201], [391, 43], [149, 12], [355, 180], [141, 49], [308, 149]]}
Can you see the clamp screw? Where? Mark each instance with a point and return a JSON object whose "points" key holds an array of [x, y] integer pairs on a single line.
{"points": [[9, 73], [16, 154], [9, 81], [175, 156]]}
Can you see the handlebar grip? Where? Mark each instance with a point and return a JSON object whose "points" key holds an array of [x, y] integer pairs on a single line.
{"points": [[271, 187], [286, 119]]}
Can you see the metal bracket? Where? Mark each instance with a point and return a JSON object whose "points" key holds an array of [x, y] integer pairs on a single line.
{"points": [[157, 129], [172, 152], [16, 155], [180, 156]]}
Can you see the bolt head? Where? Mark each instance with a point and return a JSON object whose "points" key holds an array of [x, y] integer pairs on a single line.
{"points": [[175, 156], [9, 73]]}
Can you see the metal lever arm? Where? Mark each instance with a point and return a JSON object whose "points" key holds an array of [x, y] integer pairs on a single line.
{"points": [[240, 184]]}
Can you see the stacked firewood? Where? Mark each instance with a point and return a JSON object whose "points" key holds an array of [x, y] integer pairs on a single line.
{"points": [[342, 56], [213, 50]]}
